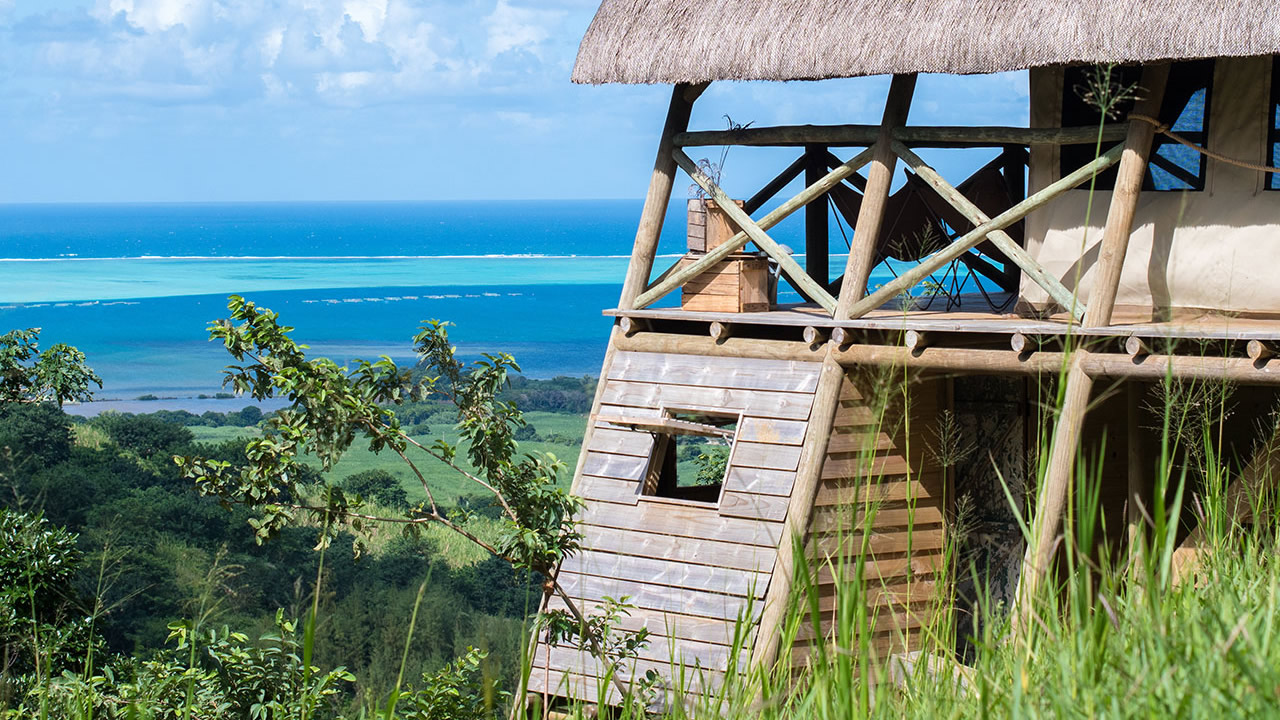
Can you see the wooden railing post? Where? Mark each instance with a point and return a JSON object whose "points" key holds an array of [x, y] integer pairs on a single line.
{"points": [[1055, 489], [659, 195], [1124, 200], [816, 218], [866, 232]]}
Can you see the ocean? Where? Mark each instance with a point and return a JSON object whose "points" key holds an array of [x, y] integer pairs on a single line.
{"points": [[135, 286]]}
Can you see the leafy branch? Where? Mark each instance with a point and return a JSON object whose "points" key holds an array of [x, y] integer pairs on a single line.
{"points": [[27, 375], [330, 407]]}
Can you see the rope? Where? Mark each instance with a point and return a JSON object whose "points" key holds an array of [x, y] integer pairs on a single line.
{"points": [[1164, 130]]}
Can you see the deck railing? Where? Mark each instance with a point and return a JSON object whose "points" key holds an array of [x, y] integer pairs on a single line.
{"points": [[884, 146]]}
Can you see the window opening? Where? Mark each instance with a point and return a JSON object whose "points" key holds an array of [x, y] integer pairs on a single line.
{"points": [[691, 452], [1187, 99], [1273, 125]]}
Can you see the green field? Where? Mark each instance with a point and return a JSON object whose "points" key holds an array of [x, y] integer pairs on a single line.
{"points": [[222, 434], [446, 484]]}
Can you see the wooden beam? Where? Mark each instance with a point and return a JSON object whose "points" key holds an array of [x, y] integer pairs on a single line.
{"points": [[913, 275], [917, 136], [1020, 343], [1238, 370], [720, 331], [951, 360], [1135, 347], [1259, 352], [999, 238], [774, 186], [630, 326], [857, 181], [815, 336], [1051, 500], [786, 263], [816, 216], [826, 400], [866, 234], [1124, 199], [659, 194], [1241, 371], [733, 347], [915, 341], [780, 213]]}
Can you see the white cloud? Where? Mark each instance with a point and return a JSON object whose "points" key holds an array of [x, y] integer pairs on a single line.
{"points": [[515, 28], [157, 15]]}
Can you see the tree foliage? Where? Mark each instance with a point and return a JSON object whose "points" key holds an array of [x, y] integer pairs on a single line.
{"points": [[42, 629], [29, 375], [331, 406], [377, 485]]}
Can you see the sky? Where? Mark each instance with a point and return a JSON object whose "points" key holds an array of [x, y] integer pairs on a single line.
{"points": [[335, 100]]}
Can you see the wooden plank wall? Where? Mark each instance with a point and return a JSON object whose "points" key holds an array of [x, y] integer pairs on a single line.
{"points": [[880, 465], [691, 569]]}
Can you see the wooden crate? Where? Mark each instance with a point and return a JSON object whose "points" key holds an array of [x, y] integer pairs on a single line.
{"points": [[709, 227], [739, 283]]}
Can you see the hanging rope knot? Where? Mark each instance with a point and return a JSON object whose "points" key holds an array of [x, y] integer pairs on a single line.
{"points": [[1167, 131]]}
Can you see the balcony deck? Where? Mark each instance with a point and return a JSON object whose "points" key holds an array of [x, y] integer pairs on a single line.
{"points": [[1126, 322]]}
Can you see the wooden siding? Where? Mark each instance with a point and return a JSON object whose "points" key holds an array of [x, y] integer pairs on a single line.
{"points": [[879, 470], [691, 569]]}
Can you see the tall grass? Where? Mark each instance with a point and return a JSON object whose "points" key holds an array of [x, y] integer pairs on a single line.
{"points": [[1113, 635]]}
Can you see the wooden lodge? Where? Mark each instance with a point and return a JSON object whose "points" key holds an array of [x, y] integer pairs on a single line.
{"points": [[1114, 254]]}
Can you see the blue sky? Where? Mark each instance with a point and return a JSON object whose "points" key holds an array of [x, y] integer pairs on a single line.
{"points": [[224, 100]]}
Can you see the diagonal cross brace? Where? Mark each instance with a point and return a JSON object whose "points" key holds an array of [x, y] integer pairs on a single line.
{"points": [[789, 266], [999, 238], [674, 278], [940, 259]]}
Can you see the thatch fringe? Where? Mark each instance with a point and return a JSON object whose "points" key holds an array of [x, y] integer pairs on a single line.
{"points": [[669, 41]]}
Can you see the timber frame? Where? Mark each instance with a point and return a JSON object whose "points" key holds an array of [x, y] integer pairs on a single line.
{"points": [[845, 325]]}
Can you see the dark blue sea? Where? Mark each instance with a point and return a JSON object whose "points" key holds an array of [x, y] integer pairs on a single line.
{"points": [[135, 286]]}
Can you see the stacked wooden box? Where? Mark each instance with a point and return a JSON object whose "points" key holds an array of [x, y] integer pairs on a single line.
{"points": [[739, 283]]}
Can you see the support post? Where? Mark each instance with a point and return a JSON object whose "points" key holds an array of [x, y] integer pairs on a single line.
{"points": [[809, 475], [1051, 500], [1124, 200], [866, 233], [655, 201], [816, 217]]}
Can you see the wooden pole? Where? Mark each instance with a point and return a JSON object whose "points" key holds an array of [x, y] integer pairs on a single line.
{"points": [[1020, 343], [826, 400], [1124, 200], [1136, 347], [780, 213], [866, 232], [659, 195], [1015, 178], [1241, 371], [916, 136], [1055, 489], [909, 277], [815, 336], [816, 217], [1259, 352]]}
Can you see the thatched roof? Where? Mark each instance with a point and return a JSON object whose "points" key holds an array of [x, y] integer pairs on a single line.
{"points": [[668, 41]]}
